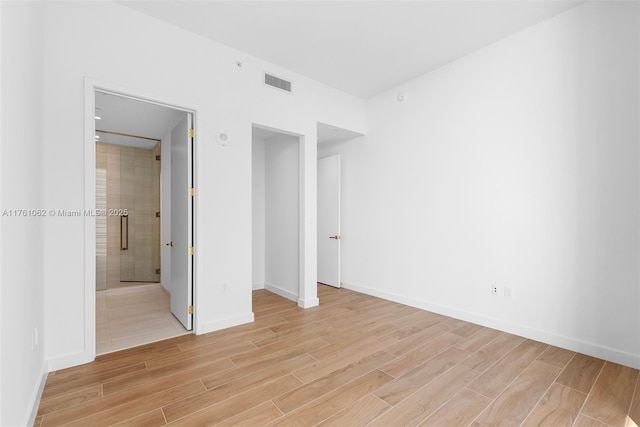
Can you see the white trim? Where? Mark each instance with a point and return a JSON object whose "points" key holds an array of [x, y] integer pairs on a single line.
{"points": [[279, 291], [308, 243], [88, 352], [37, 395], [308, 303], [591, 349], [227, 322], [2, 59], [68, 360], [258, 285]]}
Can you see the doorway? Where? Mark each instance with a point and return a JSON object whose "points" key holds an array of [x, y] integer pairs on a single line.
{"points": [[332, 142], [139, 158], [276, 206], [329, 221]]}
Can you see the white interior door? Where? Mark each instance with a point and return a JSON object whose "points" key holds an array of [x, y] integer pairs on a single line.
{"points": [[329, 220], [181, 287]]}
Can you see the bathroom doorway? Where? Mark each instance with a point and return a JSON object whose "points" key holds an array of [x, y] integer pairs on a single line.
{"points": [[133, 217]]}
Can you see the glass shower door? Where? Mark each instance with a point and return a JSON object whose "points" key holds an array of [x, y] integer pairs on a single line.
{"points": [[140, 214]]}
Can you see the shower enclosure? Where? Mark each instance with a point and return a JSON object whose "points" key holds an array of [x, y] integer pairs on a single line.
{"points": [[128, 235]]}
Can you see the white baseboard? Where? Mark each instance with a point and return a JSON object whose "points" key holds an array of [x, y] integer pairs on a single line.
{"points": [[227, 322], [259, 285], [591, 349], [308, 303], [70, 360], [37, 395], [282, 292], [165, 290]]}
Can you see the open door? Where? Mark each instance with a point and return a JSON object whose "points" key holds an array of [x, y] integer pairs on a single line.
{"points": [[182, 200], [329, 220]]}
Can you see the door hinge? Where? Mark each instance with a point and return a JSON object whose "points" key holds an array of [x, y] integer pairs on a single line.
{"points": [[192, 250], [190, 309], [157, 214], [191, 133], [192, 191], [158, 157], [157, 271]]}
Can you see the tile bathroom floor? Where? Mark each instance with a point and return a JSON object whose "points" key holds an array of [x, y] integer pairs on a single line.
{"points": [[133, 315]]}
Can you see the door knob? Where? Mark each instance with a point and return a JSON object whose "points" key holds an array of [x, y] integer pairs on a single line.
{"points": [[170, 244], [335, 237]]}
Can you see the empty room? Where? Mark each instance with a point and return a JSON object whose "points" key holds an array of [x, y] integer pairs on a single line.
{"points": [[363, 213]]}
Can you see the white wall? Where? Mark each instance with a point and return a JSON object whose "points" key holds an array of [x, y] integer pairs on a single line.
{"points": [[282, 206], [154, 60], [258, 212], [517, 165], [22, 370]]}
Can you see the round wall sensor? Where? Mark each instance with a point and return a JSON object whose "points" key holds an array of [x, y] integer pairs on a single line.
{"points": [[402, 96], [222, 138]]}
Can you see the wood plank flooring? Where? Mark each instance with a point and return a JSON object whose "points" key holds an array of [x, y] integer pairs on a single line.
{"points": [[356, 360]]}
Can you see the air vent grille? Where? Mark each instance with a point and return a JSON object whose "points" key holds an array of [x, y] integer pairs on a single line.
{"points": [[277, 82]]}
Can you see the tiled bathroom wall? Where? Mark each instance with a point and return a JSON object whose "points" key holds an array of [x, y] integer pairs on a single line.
{"points": [[132, 183], [101, 221]]}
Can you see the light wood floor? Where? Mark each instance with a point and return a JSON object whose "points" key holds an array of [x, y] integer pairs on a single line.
{"points": [[355, 360]]}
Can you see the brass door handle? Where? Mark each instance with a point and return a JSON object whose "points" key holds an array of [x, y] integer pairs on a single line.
{"points": [[170, 244], [335, 237], [124, 232]]}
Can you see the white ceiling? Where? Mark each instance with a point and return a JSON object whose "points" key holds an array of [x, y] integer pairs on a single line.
{"points": [[133, 117], [361, 47]]}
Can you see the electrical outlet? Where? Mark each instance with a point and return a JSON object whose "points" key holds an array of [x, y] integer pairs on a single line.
{"points": [[224, 287], [494, 290]]}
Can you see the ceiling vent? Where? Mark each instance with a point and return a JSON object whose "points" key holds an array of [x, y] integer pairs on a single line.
{"points": [[277, 82]]}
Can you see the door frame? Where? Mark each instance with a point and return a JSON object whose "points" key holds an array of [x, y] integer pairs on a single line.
{"points": [[90, 87]]}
